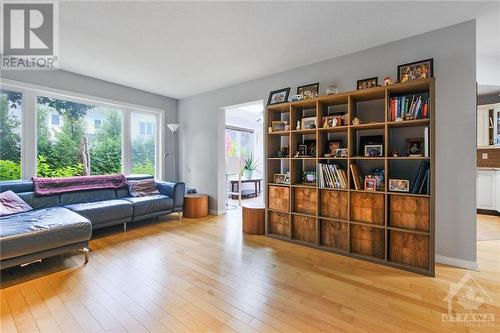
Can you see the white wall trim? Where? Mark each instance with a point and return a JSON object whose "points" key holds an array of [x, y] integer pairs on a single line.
{"points": [[216, 212], [467, 264]]}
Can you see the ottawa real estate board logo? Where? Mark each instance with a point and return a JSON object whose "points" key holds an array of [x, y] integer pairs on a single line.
{"points": [[30, 35], [468, 304]]}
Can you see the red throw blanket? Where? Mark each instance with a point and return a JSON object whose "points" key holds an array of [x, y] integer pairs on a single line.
{"points": [[49, 186]]}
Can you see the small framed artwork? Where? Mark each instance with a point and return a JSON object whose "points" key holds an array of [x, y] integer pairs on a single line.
{"points": [[399, 185], [309, 90], [278, 126], [279, 178], [311, 147], [309, 123], [309, 177], [367, 83], [373, 150], [414, 147], [287, 178], [370, 183], [416, 70], [333, 146], [278, 96], [341, 152], [302, 150]]}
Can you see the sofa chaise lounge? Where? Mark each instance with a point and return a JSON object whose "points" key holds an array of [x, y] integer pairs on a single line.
{"points": [[64, 222]]}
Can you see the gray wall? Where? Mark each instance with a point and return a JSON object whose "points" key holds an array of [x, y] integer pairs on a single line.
{"points": [[104, 89], [454, 52]]}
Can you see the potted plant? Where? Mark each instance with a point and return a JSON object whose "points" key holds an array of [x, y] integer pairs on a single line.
{"points": [[249, 166]]}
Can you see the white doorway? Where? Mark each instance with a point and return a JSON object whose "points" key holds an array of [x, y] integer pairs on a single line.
{"points": [[244, 153]]}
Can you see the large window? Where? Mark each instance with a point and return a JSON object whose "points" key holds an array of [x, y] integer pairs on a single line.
{"points": [[10, 135], [77, 139], [143, 139], [239, 143]]}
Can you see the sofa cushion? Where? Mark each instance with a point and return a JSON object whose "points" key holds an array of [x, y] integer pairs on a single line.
{"points": [[141, 188], [150, 204], [103, 211], [86, 196], [11, 203], [38, 202], [40, 230]]}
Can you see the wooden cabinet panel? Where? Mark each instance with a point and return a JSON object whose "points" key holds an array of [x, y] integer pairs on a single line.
{"points": [[367, 241], [409, 212], [279, 223], [367, 207], [305, 200], [334, 204], [334, 234], [279, 198], [304, 228], [410, 249]]}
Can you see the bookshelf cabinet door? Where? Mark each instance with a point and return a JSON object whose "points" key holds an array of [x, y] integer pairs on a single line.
{"points": [[409, 212], [305, 201], [367, 207], [279, 198], [304, 228], [334, 234], [410, 249], [367, 241], [279, 224], [334, 204]]}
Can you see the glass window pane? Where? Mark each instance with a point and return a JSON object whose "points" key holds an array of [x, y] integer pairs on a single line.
{"points": [[10, 135], [143, 146], [86, 140]]}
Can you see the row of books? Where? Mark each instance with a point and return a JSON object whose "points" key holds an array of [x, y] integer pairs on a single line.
{"points": [[332, 176], [421, 185], [409, 107]]}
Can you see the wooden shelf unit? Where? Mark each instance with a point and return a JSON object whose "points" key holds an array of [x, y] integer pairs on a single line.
{"points": [[390, 228]]}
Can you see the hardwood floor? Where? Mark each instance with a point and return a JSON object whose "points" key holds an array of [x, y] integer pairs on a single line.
{"points": [[488, 227], [203, 276]]}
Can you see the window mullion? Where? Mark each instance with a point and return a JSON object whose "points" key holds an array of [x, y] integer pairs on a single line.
{"points": [[28, 135]]}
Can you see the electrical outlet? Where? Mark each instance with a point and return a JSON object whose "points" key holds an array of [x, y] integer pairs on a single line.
{"points": [[485, 156]]}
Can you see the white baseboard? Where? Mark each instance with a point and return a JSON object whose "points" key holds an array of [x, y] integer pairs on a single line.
{"points": [[467, 264], [216, 212]]}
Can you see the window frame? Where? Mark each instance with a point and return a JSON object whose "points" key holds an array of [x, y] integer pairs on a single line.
{"points": [[29, 143]]}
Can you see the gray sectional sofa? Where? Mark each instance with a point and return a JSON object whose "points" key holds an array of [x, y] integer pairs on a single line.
{"points": [[64, 222]]}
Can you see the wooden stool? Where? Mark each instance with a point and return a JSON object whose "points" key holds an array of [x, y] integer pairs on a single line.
{"points": [[195, 205], [253, 216]]}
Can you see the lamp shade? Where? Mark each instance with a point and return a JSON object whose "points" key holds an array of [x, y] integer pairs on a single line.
{"points": [[173, 127]]}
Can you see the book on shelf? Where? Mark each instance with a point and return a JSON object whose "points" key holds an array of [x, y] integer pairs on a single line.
{"points": [[356, 177], [409, 107], [422, 179], [332, 176]]}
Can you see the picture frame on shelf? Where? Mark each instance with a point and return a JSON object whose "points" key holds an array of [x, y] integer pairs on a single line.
{"points": [[422, 69], [279, 178], [278, 96], [333, 146], [371, 82], [342, 152], [370, 183], [311, 147], [302, 150], [374, 150], [308, 123], [415, 147], [309, 90], [309, 177], [278, 125], [399, 185], [369, 140]]}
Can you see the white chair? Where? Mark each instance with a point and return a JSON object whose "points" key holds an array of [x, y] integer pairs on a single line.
{"points": [[233, 167]]}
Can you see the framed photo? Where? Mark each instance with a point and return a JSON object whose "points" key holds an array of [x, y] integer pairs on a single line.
{"points": [[311, 147], [367, 83], [370, 183], [302, 150], [287, 177], [416, 70], [278, 125], [309, 90], [308, 123], [415, 147], [278, 96], [341, 152], [309, 177], [279, 178], [399, 185], [373, 150], [333, 146], [369, 140]]}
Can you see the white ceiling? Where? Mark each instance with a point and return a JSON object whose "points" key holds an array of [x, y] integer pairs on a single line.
{"points": [[179, 49]]}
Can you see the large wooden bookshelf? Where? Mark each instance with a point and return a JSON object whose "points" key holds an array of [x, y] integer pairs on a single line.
{"points": [[385, 227]]}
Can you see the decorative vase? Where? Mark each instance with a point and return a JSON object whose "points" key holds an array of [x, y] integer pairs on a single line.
{"points": [[247, 174]]}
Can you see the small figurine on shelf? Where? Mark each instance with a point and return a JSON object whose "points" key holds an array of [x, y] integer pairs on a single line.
{"points": [[298, 125], [356, 121], [395, 154], [387, 81], [297, 154], [334, 122], [325, 124], [296, 98], [270, 129], [406, 76]]}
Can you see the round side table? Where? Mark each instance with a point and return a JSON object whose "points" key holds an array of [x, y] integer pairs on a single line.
{"points": [[253, 217], [195, 205]]}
